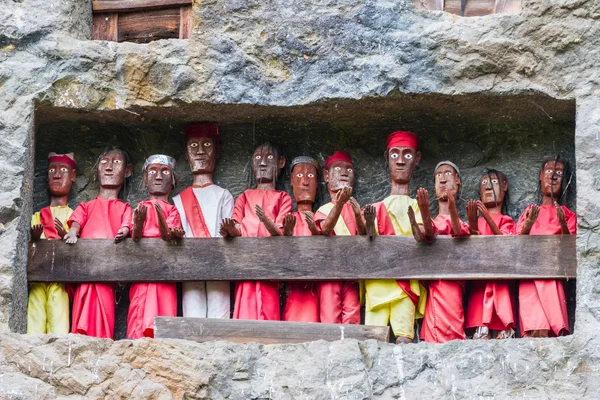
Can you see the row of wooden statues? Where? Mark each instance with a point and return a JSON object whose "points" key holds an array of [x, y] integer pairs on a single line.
{"points": [[207, 210]]}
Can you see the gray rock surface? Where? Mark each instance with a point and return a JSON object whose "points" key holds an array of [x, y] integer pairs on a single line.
{"points": [[501, 91]]}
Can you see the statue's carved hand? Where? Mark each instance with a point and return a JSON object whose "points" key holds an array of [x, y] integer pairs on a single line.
{"points": [[310, 220], [60, 228], [121, 234], [370, 213], [177, 233], [423, 202], [560, 213], [70, 237], [139, 215], [451, 201], [260, 213], [36, 232], [355, 206], [229, 228], [472, 216], [416, 231], [343, 195], [531, 215], [482, 208], [289, 222]]}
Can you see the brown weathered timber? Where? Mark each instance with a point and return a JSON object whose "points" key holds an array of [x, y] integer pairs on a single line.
{"points": [[187, 22], [135, 5], [431, 5], [473, 8], [143, 27], [300, 258], [266, 332], [104, 26]]}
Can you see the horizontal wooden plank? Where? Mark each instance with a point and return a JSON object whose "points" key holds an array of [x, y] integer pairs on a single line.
{"points": [[102, 6], [146, 26], [304, 258], [104, 26], [266, 332]]}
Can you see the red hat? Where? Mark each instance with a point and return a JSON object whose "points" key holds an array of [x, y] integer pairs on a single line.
{"points": [[403, 139], [68, 159], [202, 129], [338, 156]]}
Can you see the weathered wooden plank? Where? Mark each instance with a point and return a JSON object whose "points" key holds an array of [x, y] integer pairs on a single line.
{"points": [[135, 5], [507, 7], [301, 258], [473, 8], [266, 332], [187, 22], [143, 27], [104, 26]]}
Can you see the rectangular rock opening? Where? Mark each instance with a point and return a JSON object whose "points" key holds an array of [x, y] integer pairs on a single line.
{"points": [[512, 134]]}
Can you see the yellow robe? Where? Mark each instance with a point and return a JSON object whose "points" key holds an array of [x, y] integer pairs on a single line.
{"points": [[48, 305], [385, 300]]}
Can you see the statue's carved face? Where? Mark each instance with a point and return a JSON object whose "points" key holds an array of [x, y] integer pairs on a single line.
{"points": [[339, 175], [113, 169], [159, 178], [60, 178], [304, 182], [402, 162], [446, 181], [551, 178], [201, 155], [492, 189], [266, 164]]}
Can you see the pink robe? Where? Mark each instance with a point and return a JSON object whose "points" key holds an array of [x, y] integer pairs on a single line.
{"points": [[302, 302], [339, 300], [148, 300], [94, 303], [444, 314], [542, 303], [491, 303], [259, 300]]}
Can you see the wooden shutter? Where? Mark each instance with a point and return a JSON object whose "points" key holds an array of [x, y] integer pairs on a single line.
{"points": [[141, 21]]}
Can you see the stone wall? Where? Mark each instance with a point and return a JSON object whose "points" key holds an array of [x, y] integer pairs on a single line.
{"points": [[289, 70]]}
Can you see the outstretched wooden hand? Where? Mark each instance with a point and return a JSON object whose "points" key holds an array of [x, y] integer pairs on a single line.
{"points": [[36, 232], [139, 217], [424, 209], [122, 233], [453, 214], [310, 220], [343, 195], [485, 213], [561, 219], [289, 222], [472, 217], [229, 228], [268, 222], [414, 226], [370, 214], [60, 228], [530, 218]]}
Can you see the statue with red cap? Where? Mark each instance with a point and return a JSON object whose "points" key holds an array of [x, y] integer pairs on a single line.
{"points": [[48, 306], [154, 218], [107, 216], [392, 302], [260, 211], [202, 207], [444, 314], [339, 301]]}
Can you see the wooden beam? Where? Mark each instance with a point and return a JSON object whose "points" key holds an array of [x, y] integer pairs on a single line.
{"points": [[104, 26], [265, 332], [187, 22], [143, 27], [99, 6], [303, 258]]}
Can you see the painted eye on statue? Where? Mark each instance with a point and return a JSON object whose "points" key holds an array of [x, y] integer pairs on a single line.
{"points": [[494, 180], [207, 144], [166, 172], [408, 156], [394, 155], [63, 169], [270, 156], [484, 182], [559, 173], [337, 168], [103, 161], [117, 161], [448, 173], [194, 144], [299, 175], [349, 170], [51, 170], [438, 175], [311, 175], [549, 172], [152, 172], [258, 157]]}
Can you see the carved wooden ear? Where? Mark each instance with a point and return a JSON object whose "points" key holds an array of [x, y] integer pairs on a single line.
{"points": [[128, 171], [326, 176], [418, 156], [281, 162]]}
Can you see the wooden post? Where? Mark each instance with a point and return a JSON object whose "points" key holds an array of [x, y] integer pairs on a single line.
{"points": [[104, 26], [265, 332], [187, 22]]}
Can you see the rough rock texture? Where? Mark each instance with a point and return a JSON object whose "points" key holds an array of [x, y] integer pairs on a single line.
{"points": [[252, 65]]}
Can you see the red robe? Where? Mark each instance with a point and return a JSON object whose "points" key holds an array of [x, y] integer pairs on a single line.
{"points": [[444, 315], [490, 302], [542, 303], [259, 300], [339, 300], [94, 303], [148, 300], [302, 302]]}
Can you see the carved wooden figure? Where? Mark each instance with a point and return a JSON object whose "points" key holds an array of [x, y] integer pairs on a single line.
{"points": [[154, 218], [542, 303], [339, 300], [444, 315], [491, 306], [202, 207], [302, 302], [104, 217], [260, 212], [48, 305], [388, 301]]}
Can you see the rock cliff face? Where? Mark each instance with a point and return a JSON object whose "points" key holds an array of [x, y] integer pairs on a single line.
{"points": [[497, 91]]}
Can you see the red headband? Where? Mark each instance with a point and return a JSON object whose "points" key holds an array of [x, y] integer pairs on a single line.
{"points": [[62, 158], [338, 156], [403, 139], [202, 129]]}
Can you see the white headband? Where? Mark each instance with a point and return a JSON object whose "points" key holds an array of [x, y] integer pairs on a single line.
{"points": [[160, 159]]}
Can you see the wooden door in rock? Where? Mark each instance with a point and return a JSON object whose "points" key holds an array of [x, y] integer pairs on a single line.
{"points": [[141, 21]]}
